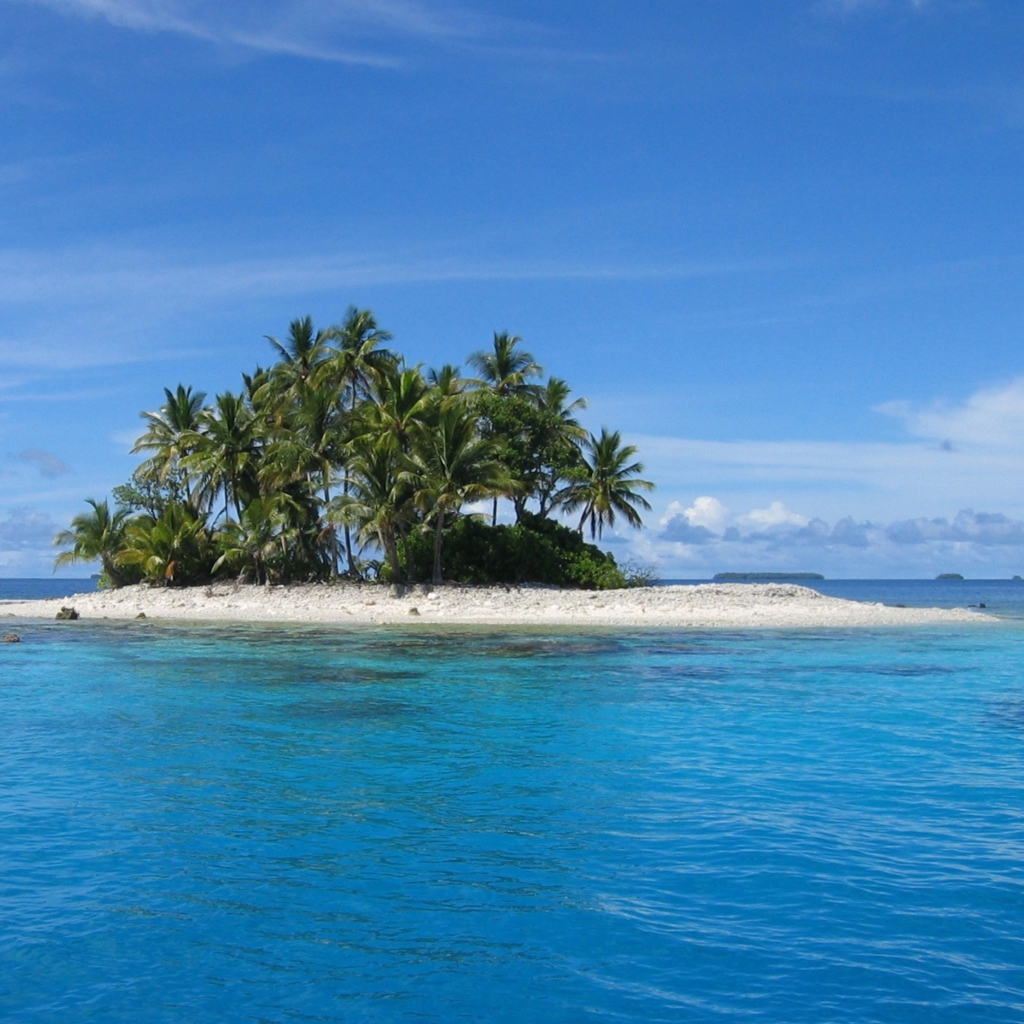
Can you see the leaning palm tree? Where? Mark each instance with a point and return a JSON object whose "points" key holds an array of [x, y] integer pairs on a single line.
{"points": [[99, 534], [607, 484], [452, 465]]}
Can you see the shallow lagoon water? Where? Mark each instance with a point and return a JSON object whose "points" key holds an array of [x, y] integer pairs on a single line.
{"points": [[279, 824]]}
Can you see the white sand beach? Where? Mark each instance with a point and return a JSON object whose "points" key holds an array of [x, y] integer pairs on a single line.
{"points": [[770, 605]]}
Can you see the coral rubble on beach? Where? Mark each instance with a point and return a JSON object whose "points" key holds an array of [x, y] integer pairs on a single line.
{"points": [[703, 605]]}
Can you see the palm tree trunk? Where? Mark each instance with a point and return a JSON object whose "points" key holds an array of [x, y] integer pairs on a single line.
{"points": [[387, 542], [344, 485], [438, 541], [110, 571], [410, 566], [494, 512], [334, 536]]}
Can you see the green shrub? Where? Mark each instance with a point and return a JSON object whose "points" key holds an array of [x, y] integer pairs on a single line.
{"points": [[535, 550]]}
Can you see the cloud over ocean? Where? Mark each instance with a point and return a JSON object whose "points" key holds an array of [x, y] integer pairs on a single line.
{"points": [[707, 537]]}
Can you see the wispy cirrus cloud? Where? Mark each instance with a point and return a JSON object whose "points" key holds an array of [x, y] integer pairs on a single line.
{"points": [[95, 274], [850, 6], [119, 297], [346, 31]]}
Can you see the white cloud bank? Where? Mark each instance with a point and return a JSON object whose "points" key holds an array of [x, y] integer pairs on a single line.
{"points": [[956, 455], [948, 498], [778, 538]]}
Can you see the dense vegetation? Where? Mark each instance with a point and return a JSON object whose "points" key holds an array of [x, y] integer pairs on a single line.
{"points": [[342, 460]]}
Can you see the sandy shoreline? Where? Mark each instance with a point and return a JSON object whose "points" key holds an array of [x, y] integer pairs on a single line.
{"points": [[770, 605]]}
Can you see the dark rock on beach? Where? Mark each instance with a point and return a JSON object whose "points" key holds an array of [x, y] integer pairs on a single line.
{"points": [[67, 614]]}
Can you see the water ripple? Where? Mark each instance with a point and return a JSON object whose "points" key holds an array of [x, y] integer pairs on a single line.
{"points": [[278, 824]]}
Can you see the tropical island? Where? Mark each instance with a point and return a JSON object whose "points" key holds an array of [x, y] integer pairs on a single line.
{"points": [[343, 462], [340, 467]]}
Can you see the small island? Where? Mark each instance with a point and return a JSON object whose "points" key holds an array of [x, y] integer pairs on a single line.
{"points": [[341, 461], [342, 484], [949, 576]]}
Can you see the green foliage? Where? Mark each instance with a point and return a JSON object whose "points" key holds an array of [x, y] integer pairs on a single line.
{"points": [[534, 550], [639, 574], [538, 445], [339, 440], [259, 544], [606, 484], [97, 535], [151, 494], [175, 548]]}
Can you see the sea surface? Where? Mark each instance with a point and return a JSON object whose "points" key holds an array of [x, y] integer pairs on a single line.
{"points": [[1003, 598], [43, 589], [279, 824]]}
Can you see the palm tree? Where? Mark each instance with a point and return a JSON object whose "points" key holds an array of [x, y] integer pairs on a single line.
{"points": [[262, 534], [99, 534], [310, 447], [403, 402], [354, 365], [558, 445], [300, 355], [606, 484], [176, 547], [447, 381], [506, 369], [168, 432], [453, 465], [356, 360], [225, 451], [379, 499]]}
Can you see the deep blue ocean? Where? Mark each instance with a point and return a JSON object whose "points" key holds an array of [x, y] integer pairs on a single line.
{"points": [[43, 589], [280, 824]]}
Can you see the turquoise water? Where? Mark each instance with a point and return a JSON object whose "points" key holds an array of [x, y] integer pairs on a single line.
{"points": [[312, 825]]}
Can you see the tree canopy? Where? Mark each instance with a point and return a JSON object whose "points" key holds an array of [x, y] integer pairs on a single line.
{"points": [[341, 460]]}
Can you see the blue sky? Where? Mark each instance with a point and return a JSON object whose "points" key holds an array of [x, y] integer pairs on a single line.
{"points": [[778, 245]]}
